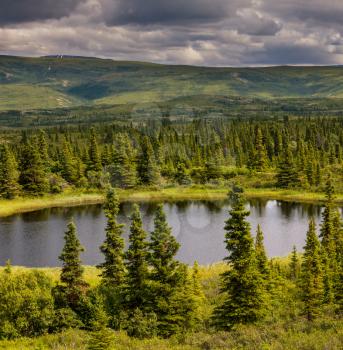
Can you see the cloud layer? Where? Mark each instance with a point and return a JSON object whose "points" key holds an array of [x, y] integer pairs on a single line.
{"points": [[202, 32]]}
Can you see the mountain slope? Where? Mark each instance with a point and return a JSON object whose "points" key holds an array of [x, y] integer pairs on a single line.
{"points": [[48, 82]]}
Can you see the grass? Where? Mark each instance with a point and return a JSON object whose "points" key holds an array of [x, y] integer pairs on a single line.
{"points": [[25, 204]]}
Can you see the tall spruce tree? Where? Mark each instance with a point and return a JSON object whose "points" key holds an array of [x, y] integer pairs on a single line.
{"points": [[113, 269], [328, 241], [261, 256], [72, 270], [9, 174], [148, 170], [294, 264], [33, 176], [94, 154], [172, 300], [135, 293], [243, 284], [312, 275]]}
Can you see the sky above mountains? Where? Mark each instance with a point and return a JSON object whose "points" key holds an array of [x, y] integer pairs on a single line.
{"points": [[199, 32]]}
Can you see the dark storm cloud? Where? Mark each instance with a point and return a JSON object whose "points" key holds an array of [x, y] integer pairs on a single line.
{"points": [[119, 12], [18, 11]]}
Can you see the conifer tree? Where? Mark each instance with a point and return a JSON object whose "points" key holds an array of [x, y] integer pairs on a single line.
{"points": [[33, 176], [94, 154], [287, 175], [172, 299], [72, 270], [147, 166], [243, 284], [113, 269], [260, 153], [136, 265], [261, 256], [328, 241], [312, 275], [9, 174], [294, 264]]}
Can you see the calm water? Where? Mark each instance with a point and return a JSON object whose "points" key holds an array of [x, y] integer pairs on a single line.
{"points": [[36, 238]]}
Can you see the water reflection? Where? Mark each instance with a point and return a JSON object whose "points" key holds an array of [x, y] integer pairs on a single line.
{"points": [[36, 239]]}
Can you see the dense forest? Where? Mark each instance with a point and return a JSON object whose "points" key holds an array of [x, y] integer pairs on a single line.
{"points": [[288, 153], [144, 292]]}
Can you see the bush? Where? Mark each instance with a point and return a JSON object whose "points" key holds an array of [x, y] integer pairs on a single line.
{"points": [[26, 304]]}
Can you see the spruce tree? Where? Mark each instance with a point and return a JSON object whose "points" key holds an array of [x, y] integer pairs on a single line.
{"points": [[33, 176], [312, 275], [135, 293], [260, 153], [72, 270], [328, 241], [147, 166], [9, 174], [113, 269], [172, 300], [261, 256], [94, 154], [294, 264], [242, 284], [287, 175]]}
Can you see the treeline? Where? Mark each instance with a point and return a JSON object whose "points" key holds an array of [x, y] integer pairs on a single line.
{"points": [[296, 152], [146, 292]]}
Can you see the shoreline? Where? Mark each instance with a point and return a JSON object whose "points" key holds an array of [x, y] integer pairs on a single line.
{"points": [[27, 204]]}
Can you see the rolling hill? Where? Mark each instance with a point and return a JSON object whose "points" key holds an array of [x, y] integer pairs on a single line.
{"points": [[61, 82]]}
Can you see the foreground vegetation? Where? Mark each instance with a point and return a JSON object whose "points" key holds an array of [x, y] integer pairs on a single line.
{"points": [[143, 298]]}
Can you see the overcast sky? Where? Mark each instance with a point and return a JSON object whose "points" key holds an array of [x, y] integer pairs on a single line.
{"points": [[201, 32]]}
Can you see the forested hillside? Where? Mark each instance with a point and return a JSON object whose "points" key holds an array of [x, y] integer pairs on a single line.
{"points": [[287, 154], [54, 82]]}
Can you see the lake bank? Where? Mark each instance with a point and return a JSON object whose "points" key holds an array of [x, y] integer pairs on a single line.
{"points": [[26, 204]]}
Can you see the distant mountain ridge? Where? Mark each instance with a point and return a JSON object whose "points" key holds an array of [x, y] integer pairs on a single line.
{"points": [[51, 82]]}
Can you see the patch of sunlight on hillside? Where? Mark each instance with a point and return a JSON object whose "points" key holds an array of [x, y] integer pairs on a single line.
{"points": [[25, 96]]}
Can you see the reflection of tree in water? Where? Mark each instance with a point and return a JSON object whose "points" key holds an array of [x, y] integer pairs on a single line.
{"points": [[259, 205], [39, 215], [304, 210]]}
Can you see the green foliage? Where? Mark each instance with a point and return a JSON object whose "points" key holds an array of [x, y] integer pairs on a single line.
{"points": [[242, 284], [101, 340], [172, 298], [312, 275], [33, 177], [113, 269], [73, 285], [26, 304], [135, 292], [9, 174], [261, 256]]}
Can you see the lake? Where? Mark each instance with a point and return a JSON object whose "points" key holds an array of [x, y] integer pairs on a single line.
{"points": [[36, 238]]}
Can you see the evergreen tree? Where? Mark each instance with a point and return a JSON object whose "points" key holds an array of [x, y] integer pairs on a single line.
{"points": [[94, 154], [72, 270], [172, 300], [33, 176], [261, 256], [327, 235], [312, 275], [147, 166], [287, 175], [135, 293], [294, 264], [113, 269], [245, 299], [260, 153], [9, 175]]}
